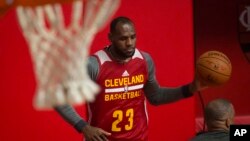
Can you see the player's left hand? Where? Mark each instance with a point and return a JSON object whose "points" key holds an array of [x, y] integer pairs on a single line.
{"points": [[197, 85]]}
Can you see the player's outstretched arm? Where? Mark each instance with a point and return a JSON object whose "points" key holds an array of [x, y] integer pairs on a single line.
{"points": [[156, 94]]}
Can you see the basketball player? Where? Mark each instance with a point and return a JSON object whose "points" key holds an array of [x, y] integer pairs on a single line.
{"points": [[219, 115], [127, 77]]}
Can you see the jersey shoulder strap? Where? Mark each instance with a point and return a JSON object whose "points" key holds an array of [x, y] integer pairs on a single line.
{"points": [[102, 56]]}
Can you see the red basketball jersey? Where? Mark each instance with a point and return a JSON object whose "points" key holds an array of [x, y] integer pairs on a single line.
{"points": [[120, 108]]}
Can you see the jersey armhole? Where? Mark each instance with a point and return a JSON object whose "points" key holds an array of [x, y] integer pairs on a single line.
{"points": [[146, 62]]}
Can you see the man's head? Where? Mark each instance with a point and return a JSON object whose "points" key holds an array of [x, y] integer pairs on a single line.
{"points": [[123, 37], [219, 114]]}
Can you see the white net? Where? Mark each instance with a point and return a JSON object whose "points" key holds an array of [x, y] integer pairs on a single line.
{"points": [[60, 52]]}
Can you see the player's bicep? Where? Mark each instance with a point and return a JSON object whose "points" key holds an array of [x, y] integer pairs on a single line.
{"points": [[150, 67], [93, 67]]}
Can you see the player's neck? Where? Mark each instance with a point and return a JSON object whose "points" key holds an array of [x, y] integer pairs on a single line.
{"points": [[116, 57]]}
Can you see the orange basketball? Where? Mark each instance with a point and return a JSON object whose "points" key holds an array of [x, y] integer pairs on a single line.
{"points": [[214, 68]]}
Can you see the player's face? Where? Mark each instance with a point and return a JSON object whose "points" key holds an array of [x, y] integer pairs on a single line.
{"points": [[124, 40]]}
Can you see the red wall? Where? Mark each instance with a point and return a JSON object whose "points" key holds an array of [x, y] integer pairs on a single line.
{"points": [[164, 29], [216, 28]]}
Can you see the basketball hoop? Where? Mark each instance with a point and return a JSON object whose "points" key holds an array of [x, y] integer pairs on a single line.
{"points": [[60, 52]]}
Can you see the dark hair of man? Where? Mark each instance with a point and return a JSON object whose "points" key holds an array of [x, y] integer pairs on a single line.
{"points": [[218, 110], [117, 20]]}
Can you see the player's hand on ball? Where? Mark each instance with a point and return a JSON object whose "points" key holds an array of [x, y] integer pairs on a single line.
{"points": [[95, 134], [213, 68], [197, 85]]}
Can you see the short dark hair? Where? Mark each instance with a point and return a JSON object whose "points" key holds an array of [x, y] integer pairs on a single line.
{"points": [[117, 20], [218, 109]]}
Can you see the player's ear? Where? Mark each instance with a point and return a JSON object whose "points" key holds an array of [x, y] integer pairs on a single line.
{"points": [[228, 122]]}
